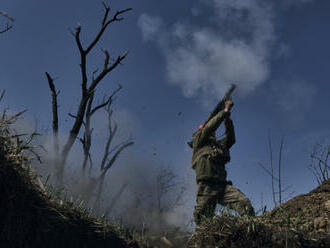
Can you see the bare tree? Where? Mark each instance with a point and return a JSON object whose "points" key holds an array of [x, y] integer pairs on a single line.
{"points": [[111, 152], [151, 204], [271, 166], [319, 162], [275, 180], [167, 184], [7, 26], [279, 172], [88, 87]]}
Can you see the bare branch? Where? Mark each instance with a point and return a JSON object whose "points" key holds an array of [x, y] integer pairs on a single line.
{"points": [[106, 13], [271, 166], [2, 95], [4, 14], [267, 170], [105, 24], [72, 115], [83, 55], [113, 159], [55, 112], [319, 162], [8, 26], [105, 71], [15, 116], [106, 60], [112, 133], [88, 132], [326, 167], [105, 103], [77, 37], [93, 74], [116, 198], [87, 89], [279, 171], [118, 13]]}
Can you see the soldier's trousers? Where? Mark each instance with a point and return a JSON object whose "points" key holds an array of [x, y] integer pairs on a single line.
{"points": [[210, 194]]}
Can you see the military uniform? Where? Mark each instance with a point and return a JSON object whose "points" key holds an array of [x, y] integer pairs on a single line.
{"points": [[208, 161]]}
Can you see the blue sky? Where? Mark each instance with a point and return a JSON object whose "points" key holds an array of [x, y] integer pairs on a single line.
{"points": [[182, 57]]}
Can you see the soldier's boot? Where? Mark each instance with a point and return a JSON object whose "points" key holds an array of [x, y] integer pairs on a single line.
{"points": [[234, 199], [197, 216], [245, 208], [205, 209]]}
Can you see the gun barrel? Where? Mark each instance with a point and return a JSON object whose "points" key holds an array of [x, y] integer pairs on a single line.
{"points": [[221, 104], [230, 91]]}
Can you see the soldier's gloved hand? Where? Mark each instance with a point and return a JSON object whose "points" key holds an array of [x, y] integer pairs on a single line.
{"points": [[228, 105]]}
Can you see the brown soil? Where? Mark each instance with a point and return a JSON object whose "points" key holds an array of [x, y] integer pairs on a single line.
{"points": [[303, 221]]}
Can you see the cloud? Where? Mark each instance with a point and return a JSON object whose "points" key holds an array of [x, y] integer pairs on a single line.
{"points": [[210, 64], [149, 26], [206, 60]]}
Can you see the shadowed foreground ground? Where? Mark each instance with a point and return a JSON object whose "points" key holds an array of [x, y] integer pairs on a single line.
{"points": [[31, 218]]}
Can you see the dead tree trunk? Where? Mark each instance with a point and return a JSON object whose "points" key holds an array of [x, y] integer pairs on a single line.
{"points": [[88, 87]]}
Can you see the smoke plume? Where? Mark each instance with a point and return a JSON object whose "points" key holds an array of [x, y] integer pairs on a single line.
{"points": [[233, 48]]}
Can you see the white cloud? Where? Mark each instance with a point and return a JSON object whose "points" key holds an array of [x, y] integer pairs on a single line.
{"points": [[210, 64], [235, 46], [149, 26], [206, 60]]}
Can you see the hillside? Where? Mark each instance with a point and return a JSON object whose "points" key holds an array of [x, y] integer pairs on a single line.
{"points": [[30, 217], [303, 221]]}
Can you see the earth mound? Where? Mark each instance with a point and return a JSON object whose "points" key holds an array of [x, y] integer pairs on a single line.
{"points": [[31, 218], [303, 221]]}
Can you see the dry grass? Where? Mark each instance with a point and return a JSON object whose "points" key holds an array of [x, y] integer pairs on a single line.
{"points": [[303, 221], [31, 216]]}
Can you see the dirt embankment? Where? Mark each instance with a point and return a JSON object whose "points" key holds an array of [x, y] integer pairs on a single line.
{"points": [[303, 221], [31, 218]]}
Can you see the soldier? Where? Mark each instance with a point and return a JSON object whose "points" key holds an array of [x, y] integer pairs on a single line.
{"points": [[209, 158]]}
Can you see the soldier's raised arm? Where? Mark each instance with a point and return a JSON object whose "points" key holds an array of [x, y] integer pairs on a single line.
{"points": [[229, 140], [212, 125]]}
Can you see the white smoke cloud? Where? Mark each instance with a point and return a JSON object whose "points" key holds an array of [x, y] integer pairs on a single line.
{"points": [[150, 26], [127, 123], [206, 60]]}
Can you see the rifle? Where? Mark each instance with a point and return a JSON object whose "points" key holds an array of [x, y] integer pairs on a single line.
{"points": [[220, 106]]}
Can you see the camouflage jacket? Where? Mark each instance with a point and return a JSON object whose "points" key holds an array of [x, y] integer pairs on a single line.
{"points": [[209, 154]]}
